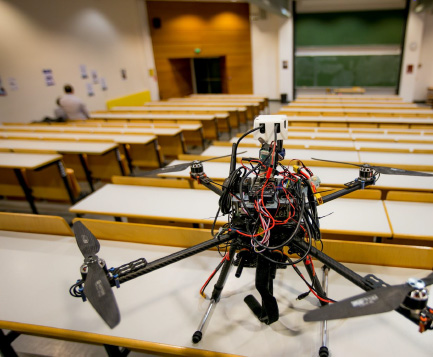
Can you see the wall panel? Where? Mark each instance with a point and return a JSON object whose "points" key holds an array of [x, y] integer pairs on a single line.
{"points": [[105, 36], [217, 29]]}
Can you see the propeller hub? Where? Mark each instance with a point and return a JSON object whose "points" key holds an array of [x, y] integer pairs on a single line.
{"points": [[197, 168], [416, 283], [365, 173]]}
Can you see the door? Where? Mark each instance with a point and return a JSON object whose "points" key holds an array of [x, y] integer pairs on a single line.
{"points": [[209, 75]]}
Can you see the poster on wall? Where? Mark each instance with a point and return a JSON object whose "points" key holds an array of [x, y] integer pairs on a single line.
{"points": [[13, 83], [48, 75], [123, 74], [95, 77], [90, 91], [103, 84], [83, 71], [2, 89]]}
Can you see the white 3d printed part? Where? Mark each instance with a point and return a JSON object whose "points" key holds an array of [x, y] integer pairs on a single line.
{"points": [[269, 121]]}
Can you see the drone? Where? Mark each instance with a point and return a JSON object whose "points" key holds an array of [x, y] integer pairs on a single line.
{"points": [[272, 217]]}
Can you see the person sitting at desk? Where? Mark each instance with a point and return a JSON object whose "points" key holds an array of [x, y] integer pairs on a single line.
{"points": [[59, 113], [73, 106]]}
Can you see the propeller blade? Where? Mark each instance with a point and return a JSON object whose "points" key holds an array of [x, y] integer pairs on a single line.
{"points": [[180, 167], [220, 157], [372, 302], [86, 241], [428, 280], [167, 169], [98, 291], [337, 162], [382, 169], [393, 171]]}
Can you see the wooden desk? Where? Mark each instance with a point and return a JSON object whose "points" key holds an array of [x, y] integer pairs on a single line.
{"points": [[302, 143], [16, 162], [301, 154], [208, 122], [76, 149], [246, 111], [354, 105], [135, 143], [398, 160], [334, 142], [178, 133], [249, 107], [161, 310], [425, 113], [362, 122], [410, 220], [265, 100], [152, 203], [345, 100], [361, 217], [350, 97], [329, 176], [224, 124]]}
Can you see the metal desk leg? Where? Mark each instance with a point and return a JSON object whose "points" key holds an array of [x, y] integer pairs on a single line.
{"points": [[155, 142], [64, 176], [87, 172], [114, 351], [5, 343], [128, 158], [27, 190], [119, 160]]}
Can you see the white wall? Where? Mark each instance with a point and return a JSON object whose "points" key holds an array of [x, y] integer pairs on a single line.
{"points": [[411, 54], [286, 48], [424, 77], [264, 43], [272, 42], [61, 35]]}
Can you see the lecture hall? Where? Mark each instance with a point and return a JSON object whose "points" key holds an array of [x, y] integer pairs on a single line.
{"points": [[262, 170]]}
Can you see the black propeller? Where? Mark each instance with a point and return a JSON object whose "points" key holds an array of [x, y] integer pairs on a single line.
{"points": [[97, 288], [381, 169], [181, 167], [372, 302]]}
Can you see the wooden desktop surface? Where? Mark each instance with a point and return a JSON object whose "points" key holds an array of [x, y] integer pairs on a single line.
{"points": [[301, 154], [26, 161], [345, 216], [410, 219], [120, 139], [156, 117], [167, 204], [163, 309], [335, 176], [59, 146], [357, 145]]}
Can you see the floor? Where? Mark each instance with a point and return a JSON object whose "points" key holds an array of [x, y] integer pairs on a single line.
{"points": [[32, 346]]}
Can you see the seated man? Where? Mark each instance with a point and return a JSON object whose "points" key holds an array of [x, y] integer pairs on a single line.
{"points": [[59, 113], [73, 106]]}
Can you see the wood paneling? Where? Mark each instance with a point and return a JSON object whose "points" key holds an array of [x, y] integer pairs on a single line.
{"points": [[218, 29]]}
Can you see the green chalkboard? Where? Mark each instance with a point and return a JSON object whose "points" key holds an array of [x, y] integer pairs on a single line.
{"points": [[347, 71], [350, 28]]}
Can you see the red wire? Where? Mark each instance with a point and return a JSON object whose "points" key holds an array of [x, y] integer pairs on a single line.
{"points": [[226, 257]]}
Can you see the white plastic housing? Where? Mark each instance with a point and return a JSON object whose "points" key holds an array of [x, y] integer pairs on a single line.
{"points": [[269, 121]]}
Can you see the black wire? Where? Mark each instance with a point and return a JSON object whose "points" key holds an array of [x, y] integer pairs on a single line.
{"points": [[225, 201], [298, 224], [296, 261], [295, 268]]}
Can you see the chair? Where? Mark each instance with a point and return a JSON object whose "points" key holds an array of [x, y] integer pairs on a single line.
{"points": [[34, 223]]}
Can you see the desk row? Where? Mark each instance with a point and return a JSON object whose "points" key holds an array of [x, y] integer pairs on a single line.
{"points": [[410, 161], [161, 310], [346, 216], [344, 121]]}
